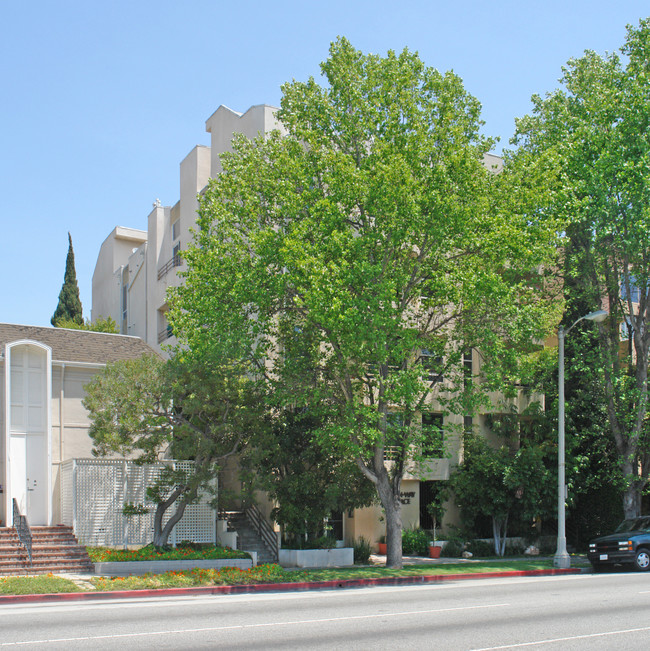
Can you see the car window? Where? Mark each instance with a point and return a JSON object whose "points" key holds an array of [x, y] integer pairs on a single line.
{"points": [[634, 524]]}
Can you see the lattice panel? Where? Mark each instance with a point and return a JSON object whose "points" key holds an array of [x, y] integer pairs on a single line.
{"points": [[65, 478], [99, 502], [102, 487]]}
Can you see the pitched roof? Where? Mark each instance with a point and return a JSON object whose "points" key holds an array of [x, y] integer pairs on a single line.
{"points": [[78, 345]]}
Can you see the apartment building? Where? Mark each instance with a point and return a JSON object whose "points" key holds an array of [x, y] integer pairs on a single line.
{"points": [[135, 267]]}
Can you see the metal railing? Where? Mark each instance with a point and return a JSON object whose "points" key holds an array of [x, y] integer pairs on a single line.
{"points": [[264, 530], [170, 264], [165, 334], [22, 529]]}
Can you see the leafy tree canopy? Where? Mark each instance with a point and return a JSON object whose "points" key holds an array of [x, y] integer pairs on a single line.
{"points": [[501, 482], [307, 479], [179, 409], [587, 147], [372, 231]]}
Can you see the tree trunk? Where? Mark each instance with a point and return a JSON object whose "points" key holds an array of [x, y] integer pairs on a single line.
{"points": [[393, 511], [160, 534], [499, 530], [632, 501]]}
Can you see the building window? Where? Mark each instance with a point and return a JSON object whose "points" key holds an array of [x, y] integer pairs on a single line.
{"points": [[176, 254], [635, 293], [433, 440], [394, 431], [432, 366], [468, 369], [176, 229], [626, 328], [334, 525]]}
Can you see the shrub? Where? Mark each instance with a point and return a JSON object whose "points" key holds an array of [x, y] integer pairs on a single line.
{"points": [[481, 548], [514, 549], [324, 542], [151, 553], [452, 549], [415, 541], [361, 550]]}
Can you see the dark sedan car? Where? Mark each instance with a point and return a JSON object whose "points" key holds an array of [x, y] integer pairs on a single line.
{"points": [[630, 543]]}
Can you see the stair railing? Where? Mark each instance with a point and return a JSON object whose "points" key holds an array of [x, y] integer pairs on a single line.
{"points": [[264, 530], [22, 529]]}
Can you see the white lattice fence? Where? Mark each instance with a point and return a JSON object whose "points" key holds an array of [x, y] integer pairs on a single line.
{"points": [[93, 495]]}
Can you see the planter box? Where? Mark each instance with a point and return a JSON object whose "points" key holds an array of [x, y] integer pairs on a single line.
{"points": [[127, 568], [434, 551], [342, 556]]}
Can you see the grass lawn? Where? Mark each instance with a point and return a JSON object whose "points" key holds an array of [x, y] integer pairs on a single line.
{"points": [[36, 585], [379, 571], [264, 574]]}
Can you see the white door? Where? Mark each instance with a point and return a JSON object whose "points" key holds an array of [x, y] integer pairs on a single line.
{"points": [[36, 480], [29, 432]]}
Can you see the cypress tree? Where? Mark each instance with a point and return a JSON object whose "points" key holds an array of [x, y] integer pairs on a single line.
{"points": [[69, 306]]}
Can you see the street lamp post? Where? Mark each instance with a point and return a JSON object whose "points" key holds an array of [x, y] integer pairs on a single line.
{"points": [[562, 558]]}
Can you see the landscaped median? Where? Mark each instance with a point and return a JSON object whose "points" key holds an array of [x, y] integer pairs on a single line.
{"points": [[264, 577]]}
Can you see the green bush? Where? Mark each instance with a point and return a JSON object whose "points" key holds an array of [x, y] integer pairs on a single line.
{"points": [[452, 549], [361, 550], [514, 549], [481, 548], [324, 542], [415, 541], [151, 553]]}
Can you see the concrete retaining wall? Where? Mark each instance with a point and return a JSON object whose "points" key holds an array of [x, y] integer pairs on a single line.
{"points": [[127, 568], [342, 556]]}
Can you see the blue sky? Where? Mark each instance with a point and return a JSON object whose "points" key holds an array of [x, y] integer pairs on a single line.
{"points": [[102, 100]]}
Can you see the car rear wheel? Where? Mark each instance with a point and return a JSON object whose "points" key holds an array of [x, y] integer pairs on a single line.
{"points": [[642, 560]]}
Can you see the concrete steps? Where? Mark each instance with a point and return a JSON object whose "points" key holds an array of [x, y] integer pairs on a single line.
{"points": [[248, 538], [54, 549]]}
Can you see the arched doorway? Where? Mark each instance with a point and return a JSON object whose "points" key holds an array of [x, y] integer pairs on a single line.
{"points": [[28, 430]]}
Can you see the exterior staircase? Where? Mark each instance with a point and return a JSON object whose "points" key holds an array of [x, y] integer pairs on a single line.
{"points": [[249, 539], [54, 549]]}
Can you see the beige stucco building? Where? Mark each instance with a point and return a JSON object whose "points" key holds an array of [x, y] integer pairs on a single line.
{"points": [[135, 267]]}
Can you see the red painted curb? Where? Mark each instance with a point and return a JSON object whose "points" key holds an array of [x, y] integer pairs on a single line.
{"points": [[272, 587]]}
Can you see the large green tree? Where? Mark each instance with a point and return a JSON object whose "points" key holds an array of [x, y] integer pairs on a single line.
{"points": [[154, 410], [371, 230], [69, 306], [590, 143]]}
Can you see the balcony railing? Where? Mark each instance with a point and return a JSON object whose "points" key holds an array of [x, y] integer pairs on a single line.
{"points": [[165, 334], [170, 264]]}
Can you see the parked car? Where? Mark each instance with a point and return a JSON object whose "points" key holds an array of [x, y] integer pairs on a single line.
{"points": [[630, 543]]}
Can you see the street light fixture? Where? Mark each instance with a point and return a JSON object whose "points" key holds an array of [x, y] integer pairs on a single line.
{"points": [[562, 558]]}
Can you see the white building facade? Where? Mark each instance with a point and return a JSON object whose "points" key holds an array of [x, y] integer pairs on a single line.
{"points": [[135, 267]]}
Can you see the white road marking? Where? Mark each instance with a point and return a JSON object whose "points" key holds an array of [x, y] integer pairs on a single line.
{"points": [[181, 631], [564, 639]]}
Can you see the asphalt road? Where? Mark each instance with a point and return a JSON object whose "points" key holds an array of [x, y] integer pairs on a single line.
{"points": [[607, 611]]}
